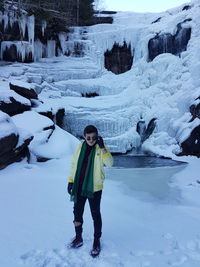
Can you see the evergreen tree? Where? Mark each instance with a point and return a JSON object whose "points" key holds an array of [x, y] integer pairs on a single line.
{"points": [[86, 12], [72, 12]]}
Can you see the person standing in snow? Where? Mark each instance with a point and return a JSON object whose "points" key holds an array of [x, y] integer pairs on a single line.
{"points": [[86, 182]]}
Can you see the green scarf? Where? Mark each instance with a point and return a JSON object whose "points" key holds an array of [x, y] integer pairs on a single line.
{"points": [[87, 187]]}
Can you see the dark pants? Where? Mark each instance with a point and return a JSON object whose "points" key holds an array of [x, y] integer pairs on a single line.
{"points": [[95, 211]]}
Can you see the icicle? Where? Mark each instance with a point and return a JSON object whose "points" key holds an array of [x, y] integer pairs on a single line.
{"points": [[22, 24], [23, 48], [1, 17], [51, 47], [5, 19], [31, 27], [12, 19], [44, 25], [62, 39], [31, 32], [38, 48]]}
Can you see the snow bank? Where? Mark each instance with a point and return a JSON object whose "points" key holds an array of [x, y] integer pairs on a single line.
{"points": [[32, 121], [49, 140], [163, 232], [60, 144]]}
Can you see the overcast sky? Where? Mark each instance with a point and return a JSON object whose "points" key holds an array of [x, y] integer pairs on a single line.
{"points": [[142, 5]]}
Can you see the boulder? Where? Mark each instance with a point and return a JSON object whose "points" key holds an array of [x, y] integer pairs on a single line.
{"points": [[7, 143], [191, 146], [40, 127], [56, 118], [15, 154], [13, 107], [186, 7], [23, 89], [59, 117], [145, 131], [157, 20], [13, 146], [48, 114], [195, 109], [11, 102], [9, 135]]}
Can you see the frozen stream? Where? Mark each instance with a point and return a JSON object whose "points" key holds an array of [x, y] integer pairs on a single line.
{"points": [[150, 175]]}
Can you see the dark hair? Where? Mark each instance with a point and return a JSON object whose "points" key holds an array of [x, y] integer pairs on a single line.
{"points": [[90, 129]]}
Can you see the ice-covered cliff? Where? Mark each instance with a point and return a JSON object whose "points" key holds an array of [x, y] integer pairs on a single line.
{"points": [[142, 65], [158, 58], [24, 40]]}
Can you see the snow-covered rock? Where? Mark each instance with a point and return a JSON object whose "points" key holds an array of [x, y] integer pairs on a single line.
{"points": [[49, 140], [13, 142], [11, 102], [23, 89]]}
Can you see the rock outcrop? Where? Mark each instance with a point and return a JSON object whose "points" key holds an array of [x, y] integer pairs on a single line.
{"points": [[119, 59], [168, 43], [57, 117], [13, 146], [26, 131], [13, 107], [191, 146], [145, 131], [24, 90]]}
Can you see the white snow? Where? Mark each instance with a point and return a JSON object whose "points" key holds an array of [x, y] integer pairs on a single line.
{"points": [[139, 229], [150, 216], [59, 145], [49, 143], [32, 121]]}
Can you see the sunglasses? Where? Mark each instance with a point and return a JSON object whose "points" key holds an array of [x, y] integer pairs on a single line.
{"points": [[94, 138]]}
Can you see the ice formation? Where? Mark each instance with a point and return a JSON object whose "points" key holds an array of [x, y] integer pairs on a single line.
{"points": [[163, 88]]}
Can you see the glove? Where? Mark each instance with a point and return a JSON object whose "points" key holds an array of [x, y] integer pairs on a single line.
{"points": [[100, 142], [69, 188]]}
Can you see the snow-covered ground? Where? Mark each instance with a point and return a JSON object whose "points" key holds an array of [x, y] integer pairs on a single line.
{"points": [[138, 229], [155, 228]]}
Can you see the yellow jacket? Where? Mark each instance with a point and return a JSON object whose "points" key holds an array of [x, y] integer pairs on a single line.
{"points": [[100, 160]]}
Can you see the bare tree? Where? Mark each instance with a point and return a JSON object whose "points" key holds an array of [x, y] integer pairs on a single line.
{"points": [[99, 5]]}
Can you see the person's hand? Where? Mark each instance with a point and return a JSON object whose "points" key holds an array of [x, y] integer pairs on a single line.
{"points": [[69, 188], [100, 142]]}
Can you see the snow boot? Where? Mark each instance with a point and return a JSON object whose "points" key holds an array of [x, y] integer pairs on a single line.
{"points": [[77, 242], [96, 249]]}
